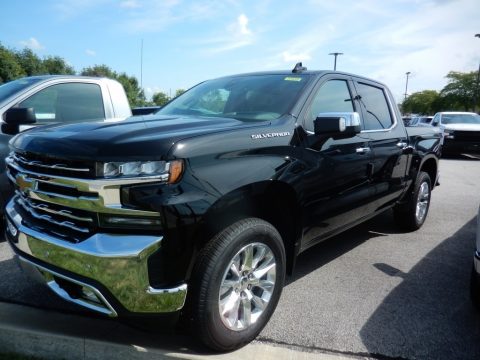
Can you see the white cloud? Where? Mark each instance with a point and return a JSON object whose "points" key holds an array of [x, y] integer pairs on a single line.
{"points": [[130, 4], [90, 52], [242, 22], [237, 35], [32, 43]]}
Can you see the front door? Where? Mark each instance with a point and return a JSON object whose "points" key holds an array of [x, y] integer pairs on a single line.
{"points": [[336, 187]]}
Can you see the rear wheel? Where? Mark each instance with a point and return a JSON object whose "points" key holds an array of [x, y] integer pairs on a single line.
{"points": [[412, 214], [236, 284]]}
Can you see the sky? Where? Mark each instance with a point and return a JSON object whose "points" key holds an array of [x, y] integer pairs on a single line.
{"points": [[187, 41]]}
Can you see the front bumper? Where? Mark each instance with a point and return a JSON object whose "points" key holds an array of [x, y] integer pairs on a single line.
{"points": [[455, 146], [107, 273]]}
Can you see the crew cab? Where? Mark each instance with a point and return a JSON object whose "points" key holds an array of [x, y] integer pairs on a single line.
{"points": [[49, 99], [202, 209], [461, 131]]}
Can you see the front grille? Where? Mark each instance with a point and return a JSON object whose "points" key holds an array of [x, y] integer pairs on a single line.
{"points": [[67, 205], [70, 224], [470, 136], [55, 166]]}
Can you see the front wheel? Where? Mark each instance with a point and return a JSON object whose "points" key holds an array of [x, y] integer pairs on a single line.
{"points": [[412, 214], [236, 284]]}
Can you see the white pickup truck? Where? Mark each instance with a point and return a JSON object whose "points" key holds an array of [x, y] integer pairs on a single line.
{"points": [[51, 99]]}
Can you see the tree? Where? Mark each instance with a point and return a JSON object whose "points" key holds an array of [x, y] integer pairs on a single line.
{"points": [[179, 92], [459, 93], [135, 95], [423, 102], [160, 98], [10, 69], [57, 65], [30, 63], [99, 71]]}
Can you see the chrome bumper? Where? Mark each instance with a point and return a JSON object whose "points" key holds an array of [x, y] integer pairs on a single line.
{"points": [[117, 262]]}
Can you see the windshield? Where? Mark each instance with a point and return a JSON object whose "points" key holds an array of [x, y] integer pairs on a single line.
{"points": [[250, 98], [12, 87], [461, 119]]}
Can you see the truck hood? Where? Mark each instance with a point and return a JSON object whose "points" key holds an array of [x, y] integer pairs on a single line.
{"points": [[462, 127], [147, 137]]}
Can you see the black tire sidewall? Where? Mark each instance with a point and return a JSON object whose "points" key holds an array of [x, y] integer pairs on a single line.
{"points": [[218, 335]]}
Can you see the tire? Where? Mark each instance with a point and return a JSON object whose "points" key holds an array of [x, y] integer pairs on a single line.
{"points": [[222, 296], [475, 288], [412, 214]]}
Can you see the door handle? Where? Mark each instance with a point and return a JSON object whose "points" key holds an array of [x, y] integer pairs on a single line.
{"points": [[363, 150], [402, 145]]}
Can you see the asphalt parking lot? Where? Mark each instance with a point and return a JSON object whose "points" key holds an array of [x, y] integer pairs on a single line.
{"points": [[372, 291]]}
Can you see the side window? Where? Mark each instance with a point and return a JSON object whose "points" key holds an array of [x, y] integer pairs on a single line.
{"points": [[333, 96], [67, 103], [375, 106], [436, 120]]}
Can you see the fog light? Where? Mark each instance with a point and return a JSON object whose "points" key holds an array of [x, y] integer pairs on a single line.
{"points": [[130, 221], [11, 228]]}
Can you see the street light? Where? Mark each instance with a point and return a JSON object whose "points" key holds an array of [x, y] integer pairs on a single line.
{"points": [[478, 83], [335, 62], [406, 84]]}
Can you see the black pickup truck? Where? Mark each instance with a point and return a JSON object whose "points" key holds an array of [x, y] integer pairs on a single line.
{"points": [[202, 209]]}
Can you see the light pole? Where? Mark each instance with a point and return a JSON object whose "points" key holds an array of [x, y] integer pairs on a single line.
{"points": [[335, 61], [475, 95], [406, 84]]}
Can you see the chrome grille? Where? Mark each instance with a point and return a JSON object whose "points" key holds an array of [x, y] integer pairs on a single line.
{"points": [[54, 166], [67, 206]]}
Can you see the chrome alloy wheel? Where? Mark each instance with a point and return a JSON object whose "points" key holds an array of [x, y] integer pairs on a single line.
{"points": [[423, 199], [247, 286]]}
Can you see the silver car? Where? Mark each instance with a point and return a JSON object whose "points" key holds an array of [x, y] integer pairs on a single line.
{"points": [[475, 280]]}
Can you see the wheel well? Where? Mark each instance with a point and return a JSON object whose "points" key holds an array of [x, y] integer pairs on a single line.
{"points": [[274, 202], [430, 167]]}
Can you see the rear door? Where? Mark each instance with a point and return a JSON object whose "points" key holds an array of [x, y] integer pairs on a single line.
{"points": [[388, 142], [337, 180]]}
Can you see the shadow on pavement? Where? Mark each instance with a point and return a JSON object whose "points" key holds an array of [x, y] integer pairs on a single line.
{"points": [[328, 250], [429, 315]]}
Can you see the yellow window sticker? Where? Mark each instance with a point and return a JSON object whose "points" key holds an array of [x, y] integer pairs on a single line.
{"points": [[293, 78]]}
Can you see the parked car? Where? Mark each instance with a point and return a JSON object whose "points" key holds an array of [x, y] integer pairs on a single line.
{"points": [[203, 208], [421, 121], [475, 278], [461, 131], [145, 110], [51, 99]]}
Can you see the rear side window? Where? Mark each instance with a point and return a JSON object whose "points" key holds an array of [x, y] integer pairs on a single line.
{"points": [[67, 103], [375, 107]]}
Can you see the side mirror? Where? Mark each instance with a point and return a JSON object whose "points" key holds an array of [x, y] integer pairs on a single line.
{"points": [[20, 116], [338, 125]]}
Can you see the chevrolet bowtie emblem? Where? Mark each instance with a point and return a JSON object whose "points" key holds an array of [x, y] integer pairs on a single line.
{"points": [[24, 183]]}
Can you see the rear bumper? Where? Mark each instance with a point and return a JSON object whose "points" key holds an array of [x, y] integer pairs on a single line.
{"points": [[107, 273]]}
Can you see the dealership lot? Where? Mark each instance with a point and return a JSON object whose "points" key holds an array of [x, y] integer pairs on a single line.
{"points": [[370, 291]]}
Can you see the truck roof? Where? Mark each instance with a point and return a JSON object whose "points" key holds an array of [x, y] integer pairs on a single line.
{"points": [[304, 72]]}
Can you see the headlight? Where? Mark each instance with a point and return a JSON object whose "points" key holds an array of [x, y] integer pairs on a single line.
{"points": [[169, 172], [449, 134]]}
